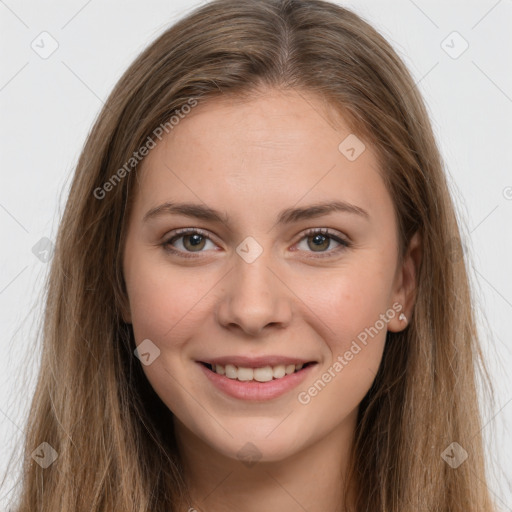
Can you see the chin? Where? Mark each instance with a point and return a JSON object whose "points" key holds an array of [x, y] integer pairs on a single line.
{"points": [[252, 451], [266, 440]]}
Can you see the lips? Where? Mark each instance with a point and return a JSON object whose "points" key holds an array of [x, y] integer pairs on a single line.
{"points": [[257, 383]]}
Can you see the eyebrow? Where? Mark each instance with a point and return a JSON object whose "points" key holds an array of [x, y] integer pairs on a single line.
{"points": [[287, 216]]}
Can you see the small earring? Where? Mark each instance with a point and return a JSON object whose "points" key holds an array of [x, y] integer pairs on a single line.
{"points": [[402, 318]]}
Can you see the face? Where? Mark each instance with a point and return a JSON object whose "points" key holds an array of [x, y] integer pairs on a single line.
{"points": [[254, 280]]}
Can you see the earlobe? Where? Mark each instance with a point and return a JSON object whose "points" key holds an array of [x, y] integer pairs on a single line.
{"points": [[406, 283], [400, 320]]}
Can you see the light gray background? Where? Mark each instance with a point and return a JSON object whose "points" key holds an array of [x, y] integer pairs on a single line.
{"points": [[48, 106]]}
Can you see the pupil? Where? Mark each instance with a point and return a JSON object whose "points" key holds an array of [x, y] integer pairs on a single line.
{"points": [[320, 239], [195, 239]]}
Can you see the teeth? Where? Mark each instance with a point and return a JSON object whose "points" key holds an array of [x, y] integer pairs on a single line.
{"points": [[231, 371], [279, 371], [264, 374], [245, 374]]}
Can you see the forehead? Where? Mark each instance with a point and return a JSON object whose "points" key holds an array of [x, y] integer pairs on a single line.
{"points": [[273, 150]]}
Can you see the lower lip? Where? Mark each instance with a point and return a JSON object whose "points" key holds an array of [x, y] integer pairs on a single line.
{"points": [[253, 390]]}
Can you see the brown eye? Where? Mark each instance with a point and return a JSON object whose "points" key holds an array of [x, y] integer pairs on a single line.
{"points": [[321, 240], [195, 242], [186, 242]]}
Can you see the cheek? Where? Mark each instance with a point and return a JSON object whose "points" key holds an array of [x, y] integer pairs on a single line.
{"points": [[354, 306], [166, 307], [163, 300], [351, 301], [357, 318]]}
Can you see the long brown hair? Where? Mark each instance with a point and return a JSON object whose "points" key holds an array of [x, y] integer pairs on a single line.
{"points": [[93, 404]]}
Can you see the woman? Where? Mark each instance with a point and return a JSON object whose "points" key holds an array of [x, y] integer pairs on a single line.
{"points": [[254, 301]]}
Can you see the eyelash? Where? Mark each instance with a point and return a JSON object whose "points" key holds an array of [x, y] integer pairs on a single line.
{"points": [[344, 244]]}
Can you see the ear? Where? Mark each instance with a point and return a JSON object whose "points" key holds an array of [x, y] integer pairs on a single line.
{"points": [[405, 285]]}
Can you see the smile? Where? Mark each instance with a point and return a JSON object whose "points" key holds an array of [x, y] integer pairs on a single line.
{"points": [[256, 382], [261, 374]]}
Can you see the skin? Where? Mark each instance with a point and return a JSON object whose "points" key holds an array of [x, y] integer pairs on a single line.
{"points": [[252, 159]]}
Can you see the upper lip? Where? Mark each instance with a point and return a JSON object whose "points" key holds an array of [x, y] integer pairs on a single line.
{"points": [[255, 362]]}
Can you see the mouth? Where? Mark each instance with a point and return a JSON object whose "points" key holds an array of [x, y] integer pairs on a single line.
{"points": [[256, 379], [260, 374]]}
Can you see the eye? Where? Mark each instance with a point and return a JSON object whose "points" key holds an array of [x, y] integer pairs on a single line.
{"points": [[322, 239], [192, 240], [195, 240]]}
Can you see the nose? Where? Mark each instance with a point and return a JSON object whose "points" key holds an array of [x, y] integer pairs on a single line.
{"points": [[254, 298]]}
